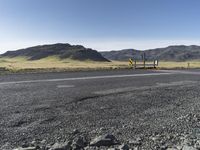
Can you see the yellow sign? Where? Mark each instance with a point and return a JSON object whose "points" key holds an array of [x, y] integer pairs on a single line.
{"points": [[130, 62]]}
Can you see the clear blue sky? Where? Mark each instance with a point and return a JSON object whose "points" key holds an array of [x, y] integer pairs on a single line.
{"points": [[100, 24]]}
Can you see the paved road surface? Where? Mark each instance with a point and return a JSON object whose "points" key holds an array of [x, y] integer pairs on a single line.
{"points": [[125, 102]]}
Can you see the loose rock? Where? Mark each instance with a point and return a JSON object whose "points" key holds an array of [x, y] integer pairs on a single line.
{"points": [[79, 143], [137, 141], [75, 131], [188, 148], [27, 148], [105, 140], [124, 147], [61, 146]]}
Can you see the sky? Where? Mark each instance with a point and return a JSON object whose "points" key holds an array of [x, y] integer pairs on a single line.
{"points": [[99, 24]]}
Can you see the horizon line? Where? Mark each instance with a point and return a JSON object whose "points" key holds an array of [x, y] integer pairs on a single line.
{"points": [[101, 46]]}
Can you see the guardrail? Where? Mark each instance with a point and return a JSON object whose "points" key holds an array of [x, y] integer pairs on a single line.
{"points": [[135, 64]]}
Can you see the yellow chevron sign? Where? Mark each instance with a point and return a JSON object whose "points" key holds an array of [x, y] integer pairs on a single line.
{"points": [[130, 62]]}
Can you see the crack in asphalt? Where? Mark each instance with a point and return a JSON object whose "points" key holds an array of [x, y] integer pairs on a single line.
{"points": [[119, 91]]}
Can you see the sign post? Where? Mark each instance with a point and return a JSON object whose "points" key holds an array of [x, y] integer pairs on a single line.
{"points": [[144, 59]]}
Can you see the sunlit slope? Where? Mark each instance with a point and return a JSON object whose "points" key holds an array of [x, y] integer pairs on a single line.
{"points": [[63, 51], [171, 53], [55, 62]]}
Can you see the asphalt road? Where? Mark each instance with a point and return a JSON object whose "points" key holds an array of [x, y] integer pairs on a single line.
{"points": [[126, 103]]}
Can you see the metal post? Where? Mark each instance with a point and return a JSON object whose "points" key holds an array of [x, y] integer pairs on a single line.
{"points": [[135, 64], [144, 59], [188, 65]]}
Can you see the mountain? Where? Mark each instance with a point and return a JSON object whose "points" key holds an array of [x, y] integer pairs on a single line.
{"points": [[170, 53], [76, 52]]}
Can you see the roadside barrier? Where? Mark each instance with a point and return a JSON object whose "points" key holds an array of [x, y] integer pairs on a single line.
{"points": [[136, 64]]}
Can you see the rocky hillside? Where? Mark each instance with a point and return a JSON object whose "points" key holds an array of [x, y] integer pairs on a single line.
{"points": [[171, 53], [76, 52]]}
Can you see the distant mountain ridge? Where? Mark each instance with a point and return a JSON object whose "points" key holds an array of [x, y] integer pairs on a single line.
{"points": [[170, 53], [76, 52]]}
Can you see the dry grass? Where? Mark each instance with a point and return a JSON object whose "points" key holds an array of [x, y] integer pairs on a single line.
{"points": [[54, 63], [186, 64], [21, 63]]}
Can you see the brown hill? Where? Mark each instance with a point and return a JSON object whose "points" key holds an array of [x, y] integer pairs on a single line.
{"points": [[76, 52]]}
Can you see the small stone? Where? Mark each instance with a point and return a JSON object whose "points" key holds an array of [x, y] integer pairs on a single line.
{"points": [[172, 148], [105, 140], [102, 129], [125, 126], [155, 138], [164, 147], [179, 147], [124, 147], [89, 148], [135, 142], [169, 137], [26, 148], [61, 146], [43, 142], [75, 131], [188, 148], [79, 142], [33, 143], [25, 145]]}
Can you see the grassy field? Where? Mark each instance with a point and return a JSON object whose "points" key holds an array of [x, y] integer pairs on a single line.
{"points": [[186, 64], [56, 64]]}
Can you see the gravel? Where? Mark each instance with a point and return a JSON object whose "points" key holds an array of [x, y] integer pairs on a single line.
{"points": [[160, 114]]}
